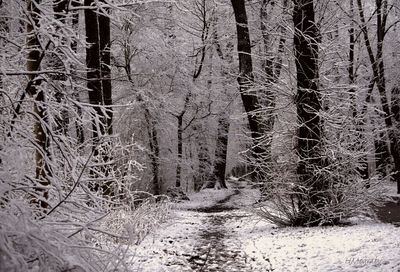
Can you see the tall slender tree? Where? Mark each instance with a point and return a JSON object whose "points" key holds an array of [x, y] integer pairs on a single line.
{"points": [[246, 83], [34, 58], [97, 27], [378, 71], [308, 102]]}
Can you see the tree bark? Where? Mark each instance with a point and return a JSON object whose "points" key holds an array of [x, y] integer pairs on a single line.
{"points": [[271, 65], [62, 120], [42, 155], [378, 70], [221, 150], [204, 170], [246, 83], [363, 169], [154, 150], [180, 148], [308, 102], [98, 62], [74, 46]]}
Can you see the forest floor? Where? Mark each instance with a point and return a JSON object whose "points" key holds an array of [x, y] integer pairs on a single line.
{"points": [[215, 232]]}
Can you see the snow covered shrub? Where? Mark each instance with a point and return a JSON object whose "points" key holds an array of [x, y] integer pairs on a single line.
{"points": [[131, 225], [336, 187]]}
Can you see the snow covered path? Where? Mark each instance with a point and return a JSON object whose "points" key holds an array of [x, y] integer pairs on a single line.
{"points": [[214, 250], [213, 232]]}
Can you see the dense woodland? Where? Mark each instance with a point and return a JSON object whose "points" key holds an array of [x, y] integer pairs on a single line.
{"points": [[106, 104]]}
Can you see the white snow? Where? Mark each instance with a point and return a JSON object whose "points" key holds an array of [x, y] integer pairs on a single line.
{"points": [[262, 246]]}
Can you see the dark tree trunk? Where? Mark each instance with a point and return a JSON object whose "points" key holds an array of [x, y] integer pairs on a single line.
{"points": [[381, 153], [99, 83], [180, 148], [98, 63], [221, 150], [378, 70], [308, 101], [246, 83], [395, 107], [203, 155], [363, 169], [74, 46], [62, 120], [271, 65], [42, 155], [154, 149]]}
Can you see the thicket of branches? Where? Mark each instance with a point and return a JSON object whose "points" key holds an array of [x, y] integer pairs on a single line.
{"points": [[105, 103]]}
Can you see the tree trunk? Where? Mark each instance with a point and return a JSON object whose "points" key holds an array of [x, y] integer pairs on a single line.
{"points": [[154, 149], [204, 170], [74, 46], [395, 107], [271, 65], [180, 145], [99, 82], [42, 140], [221, 150], [363, 169], [378, 70], [98, 63], [62, 120], [308, 101], [246, 83]]}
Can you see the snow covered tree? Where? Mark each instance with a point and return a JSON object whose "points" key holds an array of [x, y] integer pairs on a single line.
{"points": [[98, 60]]}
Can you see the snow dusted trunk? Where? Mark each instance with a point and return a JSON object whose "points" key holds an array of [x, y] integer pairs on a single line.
{"points": [[246, 83], [395, 107], [154, 149], [308, 102], [74, 46], [378, 69], [42, 156], [271, 65], [221, 150], [363, 169], [98, 64], [99, 82], [60, 12], [203, 155]]}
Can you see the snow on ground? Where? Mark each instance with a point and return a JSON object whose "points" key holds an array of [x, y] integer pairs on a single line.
{"points": [[236, 240], [164, 250], [364, 247], [204, 198], [391, 189]]}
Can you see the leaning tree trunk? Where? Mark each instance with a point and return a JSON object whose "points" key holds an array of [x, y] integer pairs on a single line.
{"points": [[246, 83], [359, 124], [308, 102], [378, 70], [42, 156]]}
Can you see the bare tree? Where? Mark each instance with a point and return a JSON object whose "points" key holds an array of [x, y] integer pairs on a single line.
{"points": [[97, 24], [34, 58], [378, 70], [246, 82], [308, 102]]}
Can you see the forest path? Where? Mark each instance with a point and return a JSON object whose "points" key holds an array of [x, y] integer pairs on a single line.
{"points": [[214, 231], [212, 252], [203, 234]]}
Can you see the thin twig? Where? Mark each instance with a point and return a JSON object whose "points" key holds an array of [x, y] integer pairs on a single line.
{"points": [[72, 189]]}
